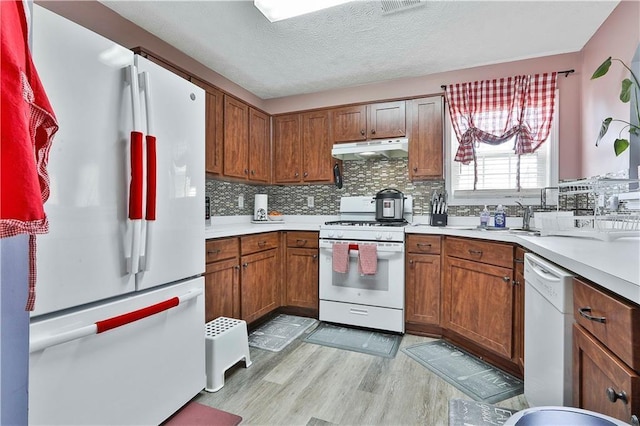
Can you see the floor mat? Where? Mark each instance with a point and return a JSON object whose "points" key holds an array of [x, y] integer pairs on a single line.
{"points": [[357, 340], [196, 414], [278, 332], [472, 413], [481, 381]]}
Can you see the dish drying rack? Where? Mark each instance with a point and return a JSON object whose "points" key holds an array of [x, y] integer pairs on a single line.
{"points": [[605, 209]]}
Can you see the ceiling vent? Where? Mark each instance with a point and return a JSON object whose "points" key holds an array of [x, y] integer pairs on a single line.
{"points": [[392, 6]]}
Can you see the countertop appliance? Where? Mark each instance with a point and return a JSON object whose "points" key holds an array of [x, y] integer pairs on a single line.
{"points": [[117, 335], [373, 301], [375, 149], [390, 205], [548, 319]]}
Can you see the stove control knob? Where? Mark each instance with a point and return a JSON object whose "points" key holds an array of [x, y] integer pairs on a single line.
{"points": [[340, 234], [378, 235], [389, 235], [330, 234]]}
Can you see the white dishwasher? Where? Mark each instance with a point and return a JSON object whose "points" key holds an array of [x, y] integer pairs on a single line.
{"points": [[548, 320]]}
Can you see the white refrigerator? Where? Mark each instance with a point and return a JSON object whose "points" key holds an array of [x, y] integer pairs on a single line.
{"points": [[117, 334]]}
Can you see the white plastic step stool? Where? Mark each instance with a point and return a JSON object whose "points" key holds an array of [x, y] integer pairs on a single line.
{"points": [[226, 343]]}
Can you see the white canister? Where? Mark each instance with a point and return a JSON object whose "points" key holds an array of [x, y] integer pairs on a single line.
{"points": [[260, 207]]}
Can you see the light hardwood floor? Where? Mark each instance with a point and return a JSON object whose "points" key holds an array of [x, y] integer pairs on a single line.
{"points": [[308, 384]]}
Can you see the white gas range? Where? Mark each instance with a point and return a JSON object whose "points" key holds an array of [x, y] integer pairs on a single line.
{"points": [[372, 299]]}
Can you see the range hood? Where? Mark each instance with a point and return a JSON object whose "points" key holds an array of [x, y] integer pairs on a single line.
{"points": [[376, 149]]}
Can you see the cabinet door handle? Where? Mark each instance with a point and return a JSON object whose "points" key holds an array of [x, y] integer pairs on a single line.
{"points": [[305, 174], [214, 252], [253, 172], [415, 169], [586, 313], [246, 171], [518, 260], [315, 256], [362, 132], [296, 174], [613, 396], [237, 267], [516, 282], [301, 242], [420, 245], [506, 279], [476, 252], [262, 243], [245, 265], [411, 262], [373, 131]]}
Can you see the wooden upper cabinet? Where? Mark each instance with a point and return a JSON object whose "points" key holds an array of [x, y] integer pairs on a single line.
{"points": [[287, 148], [236, 138], [349, 124], [387, 120], [426, 141], [317, 163], [375, 121], [302, 148], [259, 146], [246, 142]]}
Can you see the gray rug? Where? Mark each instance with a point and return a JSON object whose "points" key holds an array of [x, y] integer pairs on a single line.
{"points": [[481, 381], [356, 340], [472, 413], [278, 332]]}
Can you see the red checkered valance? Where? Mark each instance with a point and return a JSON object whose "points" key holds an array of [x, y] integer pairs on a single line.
{"points": [[494, 111]]}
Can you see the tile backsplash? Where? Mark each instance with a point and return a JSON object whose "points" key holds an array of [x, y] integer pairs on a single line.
{"points": [[360, 178]]}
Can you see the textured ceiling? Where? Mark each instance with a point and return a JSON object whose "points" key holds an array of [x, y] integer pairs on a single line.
{"points": [[356, 43]]}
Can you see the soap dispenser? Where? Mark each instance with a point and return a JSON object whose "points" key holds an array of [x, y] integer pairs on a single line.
{"points": [[500, 217], [484, 218]]}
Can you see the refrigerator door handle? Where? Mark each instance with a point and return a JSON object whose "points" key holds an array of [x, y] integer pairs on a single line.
{"points": [[150, 216], [98, 327], [135, 186]]}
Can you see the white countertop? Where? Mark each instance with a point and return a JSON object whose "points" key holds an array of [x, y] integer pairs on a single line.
{"points": [[614, 265]]}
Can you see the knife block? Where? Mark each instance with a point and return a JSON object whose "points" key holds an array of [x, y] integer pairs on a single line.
{"points": [[438, 220]]}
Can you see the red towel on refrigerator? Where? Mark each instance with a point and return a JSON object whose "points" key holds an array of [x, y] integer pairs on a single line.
{"points": [[27, 128], [367, 259], [341, 258]]}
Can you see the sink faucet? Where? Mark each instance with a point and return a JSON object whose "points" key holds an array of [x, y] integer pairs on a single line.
{"points": [[527, 214]]}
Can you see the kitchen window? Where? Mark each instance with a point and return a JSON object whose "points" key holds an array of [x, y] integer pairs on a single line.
{"points": [[497, 167]]}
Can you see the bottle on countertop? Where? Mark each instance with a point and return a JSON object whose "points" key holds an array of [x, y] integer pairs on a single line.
{"points": [[484, 217], [500, 217]]}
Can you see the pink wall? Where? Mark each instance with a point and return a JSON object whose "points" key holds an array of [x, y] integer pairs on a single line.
{"points": [[619, 37]]}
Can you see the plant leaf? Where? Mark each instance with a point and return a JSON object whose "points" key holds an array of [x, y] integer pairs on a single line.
{"points": [[602, 69], [620, 145], [625, 92], [603, 129]]}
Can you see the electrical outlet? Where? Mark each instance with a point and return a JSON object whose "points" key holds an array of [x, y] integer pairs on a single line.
{"points": [[240, 201], [310, 201]]}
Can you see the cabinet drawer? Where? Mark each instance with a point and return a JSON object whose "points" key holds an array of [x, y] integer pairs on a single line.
{"points": [[616, 323], [426, 244], [258, 242], [598, 375], [302, 239], [481, 251], [224, 248]]}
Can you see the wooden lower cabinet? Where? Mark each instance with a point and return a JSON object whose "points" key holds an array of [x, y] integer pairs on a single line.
{"points": [[601, 381], [518, 307], [260, 278], [222, 279], [302, 270], [478, 295], [222, 290], [422, 281]]}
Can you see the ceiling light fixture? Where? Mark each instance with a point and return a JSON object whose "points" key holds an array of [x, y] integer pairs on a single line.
{"points": [[277, 10]]}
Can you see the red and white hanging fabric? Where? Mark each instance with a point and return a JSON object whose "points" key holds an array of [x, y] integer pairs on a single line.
{"points": [[494, 111], [27, 128]]}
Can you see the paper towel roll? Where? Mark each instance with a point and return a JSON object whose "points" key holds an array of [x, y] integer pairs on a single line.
{"points": [[260, 207]]}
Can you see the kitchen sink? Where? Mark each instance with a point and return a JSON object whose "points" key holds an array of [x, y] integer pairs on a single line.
{"points": [[528, 232]]}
